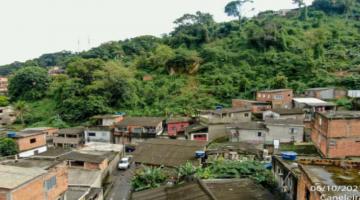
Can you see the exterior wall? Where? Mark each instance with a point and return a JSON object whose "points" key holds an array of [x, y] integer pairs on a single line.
{"points": [[283, 133], [33, 190], [273, 115], [336, 138], [354, 93], [280, 99], [249, 136], [32, 152], [61, 141], [260, 108], [175, 128], [285, 179], [216, 131], [226, 118], [304, 192], [101, 166], [110, 122], [24, 143], [204, 136], [100, 136], [61, 182]]}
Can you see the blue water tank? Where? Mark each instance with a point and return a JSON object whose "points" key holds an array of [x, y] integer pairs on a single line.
{"points": [[288, 155], [268, 165], [11, 134], [200, 154]]}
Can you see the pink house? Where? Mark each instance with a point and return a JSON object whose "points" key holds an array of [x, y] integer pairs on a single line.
{"points": [[177, 125]]}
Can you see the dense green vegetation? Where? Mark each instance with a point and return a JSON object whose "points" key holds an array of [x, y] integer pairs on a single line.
{"points": [[199, 64], [8, 147]]}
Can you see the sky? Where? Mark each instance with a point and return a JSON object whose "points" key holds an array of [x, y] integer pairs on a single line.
{"points": [[30, 28]]}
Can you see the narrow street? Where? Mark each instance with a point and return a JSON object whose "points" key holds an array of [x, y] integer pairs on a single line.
{"points": [[121, 188]]}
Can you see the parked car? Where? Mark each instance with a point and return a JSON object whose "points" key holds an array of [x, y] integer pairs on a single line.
{"points": [[129, 148], [124, 163]]}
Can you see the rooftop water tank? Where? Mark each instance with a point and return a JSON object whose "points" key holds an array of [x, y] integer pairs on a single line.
{"points": [[11, 134], [288, 155]]}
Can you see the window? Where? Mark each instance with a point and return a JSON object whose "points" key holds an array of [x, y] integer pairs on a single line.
{"points": [[278, 97], [51, 183], [259, 134], [92, 134], [332, 143], [293, 130], [246, 114], [32, 140]]}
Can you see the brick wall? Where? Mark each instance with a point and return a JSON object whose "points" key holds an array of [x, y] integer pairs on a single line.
{"points": [[174, 128], [61, 182], [24, 143], [31, 191], [284, 102], [92, 166]]}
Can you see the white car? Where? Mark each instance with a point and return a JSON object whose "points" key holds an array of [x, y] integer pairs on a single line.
{"points": [[124, 163]]}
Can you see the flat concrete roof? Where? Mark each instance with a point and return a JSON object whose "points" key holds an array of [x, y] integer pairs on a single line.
{"points": [[33, 163], [341, 114], [12, 176], [98, 146], [313, 101], [83, 177]]}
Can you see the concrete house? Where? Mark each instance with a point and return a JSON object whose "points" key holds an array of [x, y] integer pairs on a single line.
{"points": [[295, 113], [69, 137], [284, 130], [137, 129], [217, 120], [256, 106], [311, 105], [29, 142], [50, 132], [336, 134], [176, 126], [326, 93], [107, 120], [99, 134], [279, 98], [33, 183], [197, 132], [248, 132]]}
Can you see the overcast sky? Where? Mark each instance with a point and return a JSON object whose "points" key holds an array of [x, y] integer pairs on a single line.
{"points": [[29, 28]]}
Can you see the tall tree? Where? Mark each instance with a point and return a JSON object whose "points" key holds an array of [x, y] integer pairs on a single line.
{"points": [[234, 8], [21, 108], [301, 4]]}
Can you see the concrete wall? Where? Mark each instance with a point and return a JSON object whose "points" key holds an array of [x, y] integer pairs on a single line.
{"points": [[175, 128], [100, 136], [32, 152], [249, 136], [284, 134]]}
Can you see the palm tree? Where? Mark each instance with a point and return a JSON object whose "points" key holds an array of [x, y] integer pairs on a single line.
{"points": [[21, 108]]}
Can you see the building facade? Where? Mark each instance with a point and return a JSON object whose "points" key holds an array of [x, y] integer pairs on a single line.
{"points": [[69, 138], [280, 98], [30, 142]]}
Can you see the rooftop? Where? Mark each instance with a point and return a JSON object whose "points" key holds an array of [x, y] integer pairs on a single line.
{"points": [[252, 102], [284, 122], [313, 101], [75, 193], [99, 128], [99, 146], [140, 121], [83, 177], [106, 116], [53, 153], [28, 133], [341, 114], [276, 90], [248, 126], [39, 128], [33, 163], [12, 176], [214, 189], [178, 119], [226, 110], [88, 156], [73, 131], [283, 111], [170, 153]]}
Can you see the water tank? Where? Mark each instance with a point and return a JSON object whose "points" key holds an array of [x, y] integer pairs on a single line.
{"points": [[11, 134], [289, 155], [199, 154]]}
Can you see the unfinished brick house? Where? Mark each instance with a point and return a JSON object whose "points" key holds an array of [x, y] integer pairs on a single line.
{"points": [[256, 106], [336, 134], [280, 98], [29, 142]]}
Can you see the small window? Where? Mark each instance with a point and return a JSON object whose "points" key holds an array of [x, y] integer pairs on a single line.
{"points": [[278, 97], [332, 143], [259, 134], [92, 134], [32, 140], [51, 183], [246, 114]]}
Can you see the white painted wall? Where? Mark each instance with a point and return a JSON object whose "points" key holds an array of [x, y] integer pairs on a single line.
{"points": [[32, 152], [100, 136]]}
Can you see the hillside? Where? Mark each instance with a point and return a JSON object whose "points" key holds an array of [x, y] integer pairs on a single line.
{"points": [[202, 63]]}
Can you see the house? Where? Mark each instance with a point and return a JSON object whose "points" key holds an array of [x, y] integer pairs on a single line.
{"points": [[3, 85], [168, 153], [328, 179], [55, 71], [336, 134], [286, 174], [256, 106], [248, 132], [353, 93], [217, 120], [29, 142], [284, 130], [176, 126], [88, 160], [103, 134], [197, 132], [7, 116], [108, 120], [33, 183], [295, 113], [137, 129], [311, 105], [234, 151], [69, 137], [279, 98], [50, 132], [211, 189], [326, 93]]}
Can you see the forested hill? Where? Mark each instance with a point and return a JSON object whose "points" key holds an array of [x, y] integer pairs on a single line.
{"points": [[201, 63]]}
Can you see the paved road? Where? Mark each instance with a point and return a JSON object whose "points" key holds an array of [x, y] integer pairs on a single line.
{"points": [[121, 187]]}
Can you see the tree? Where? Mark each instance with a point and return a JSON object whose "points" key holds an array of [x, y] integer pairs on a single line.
{"points": [[234, 8], [29, 83], [21, 108], [301, 4], [8, 147], [147, 178], [4, 101]]}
